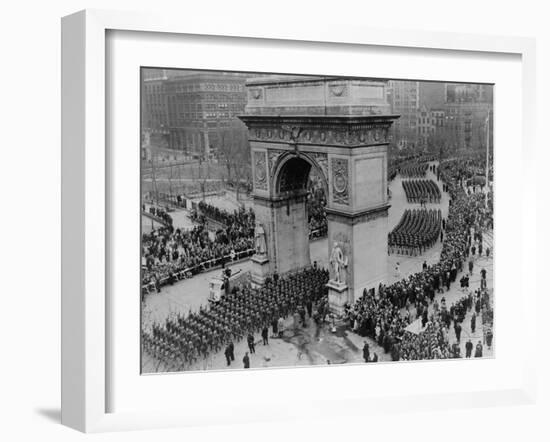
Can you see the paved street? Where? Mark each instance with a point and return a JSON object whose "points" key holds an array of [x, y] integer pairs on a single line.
{"points": [[183, 296]]}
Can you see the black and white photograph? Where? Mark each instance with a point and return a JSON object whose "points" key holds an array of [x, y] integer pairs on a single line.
{"points": [[307, 220]]}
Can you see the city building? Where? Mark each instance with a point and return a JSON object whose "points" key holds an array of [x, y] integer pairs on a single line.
{"points": [[440, 116], [404, 99], [432, 94], [431, 127], [467, 108], [202, 109], [426, 125], [153, 116]]}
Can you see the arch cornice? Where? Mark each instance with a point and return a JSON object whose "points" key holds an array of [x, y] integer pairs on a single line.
{"points": [[325, 130]]}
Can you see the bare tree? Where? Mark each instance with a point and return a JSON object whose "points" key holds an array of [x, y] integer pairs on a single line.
{"points": [[154, 175], [234, 152], [170, 176]]}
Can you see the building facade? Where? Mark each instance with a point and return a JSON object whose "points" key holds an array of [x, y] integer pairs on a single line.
{"points": [[437, 115], [202, 110], [153, 116], [467, 108], [404, 99]]}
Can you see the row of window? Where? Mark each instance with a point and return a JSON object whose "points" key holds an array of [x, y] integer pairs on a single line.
{"points": [[224, 87]]}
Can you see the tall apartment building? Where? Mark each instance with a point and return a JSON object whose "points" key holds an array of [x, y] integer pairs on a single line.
{"points": [[202, 109], [404, 99], [432, 94], [154, 117]]}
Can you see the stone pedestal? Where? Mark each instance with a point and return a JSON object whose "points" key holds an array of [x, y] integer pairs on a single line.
{"points": [[363, 238], [260, 270], [338, 294]]}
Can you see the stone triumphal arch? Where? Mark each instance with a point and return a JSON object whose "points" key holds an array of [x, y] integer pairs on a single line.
{"points": [[338, 126]]}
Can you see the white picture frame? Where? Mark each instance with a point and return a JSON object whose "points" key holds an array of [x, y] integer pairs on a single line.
{"points": [[85, 201]]}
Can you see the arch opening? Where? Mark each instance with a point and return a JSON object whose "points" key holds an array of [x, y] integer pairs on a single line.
{"points": [[301, 189], [293, 175]]}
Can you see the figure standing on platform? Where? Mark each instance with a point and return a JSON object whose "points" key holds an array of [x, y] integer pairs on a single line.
{"points": [[259, 240]]}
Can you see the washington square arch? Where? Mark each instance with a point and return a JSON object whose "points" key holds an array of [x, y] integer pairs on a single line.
{"points": [[339, 128]]}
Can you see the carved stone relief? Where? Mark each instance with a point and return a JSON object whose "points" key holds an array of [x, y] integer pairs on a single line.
{"points": [[260, 171], [322, 161], [340, 180]]}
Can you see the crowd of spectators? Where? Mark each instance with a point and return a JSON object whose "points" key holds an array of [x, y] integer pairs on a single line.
{"points": [[169, 254], [317, 217], [159, 213], [241, 221]]}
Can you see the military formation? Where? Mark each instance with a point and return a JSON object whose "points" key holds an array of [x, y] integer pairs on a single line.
{"points": [[417, 231], [421, 191], [410, 164], [414, 169], [183, 340]]}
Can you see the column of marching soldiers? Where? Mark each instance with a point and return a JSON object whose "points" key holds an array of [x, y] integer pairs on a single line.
{"points": [[421, 191], [181, 341], [381, 314], [417, 230]]}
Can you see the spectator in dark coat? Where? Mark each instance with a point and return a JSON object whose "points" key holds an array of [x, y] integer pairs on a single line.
{"points": [[366, 353], [265, 333], [489, 338], [228, 355], [479, 350], [250, 341], [458, 331], [469, 348]]}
